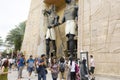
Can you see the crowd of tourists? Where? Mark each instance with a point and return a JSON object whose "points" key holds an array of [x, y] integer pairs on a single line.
{"points": [[68, 68]]}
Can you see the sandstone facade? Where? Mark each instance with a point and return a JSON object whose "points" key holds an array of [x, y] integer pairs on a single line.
{"points": [[99, 26], [98, 32], [34, 42]]}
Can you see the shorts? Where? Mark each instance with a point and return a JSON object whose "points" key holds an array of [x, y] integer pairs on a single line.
{"points": [[92, 70], [30, 69]]}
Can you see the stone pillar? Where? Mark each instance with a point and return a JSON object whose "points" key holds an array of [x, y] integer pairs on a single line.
{"points": [[42, 30], [80, 26], [34, 38]]}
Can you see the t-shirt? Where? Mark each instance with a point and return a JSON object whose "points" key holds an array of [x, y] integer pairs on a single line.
{"points": [[41, 67], [10, 61], [72, 67], [30, 62], [21, 62], [92, 63]]}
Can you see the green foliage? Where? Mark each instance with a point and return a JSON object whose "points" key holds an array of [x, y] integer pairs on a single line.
{"points": [[16, 35]]}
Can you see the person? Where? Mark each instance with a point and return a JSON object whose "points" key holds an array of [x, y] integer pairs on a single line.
{"points": [[62, 66], [10, 63], [82, 72], [77, 71], [35, 61], [54, 69], [84, 65], [41, 67], [52, 21], [4, 73], [21, 64], [70, 17], [92, 67], [72, 68], [30, 65]]}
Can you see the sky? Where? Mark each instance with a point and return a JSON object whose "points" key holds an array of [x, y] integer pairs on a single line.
{"points": [[12, 12]]}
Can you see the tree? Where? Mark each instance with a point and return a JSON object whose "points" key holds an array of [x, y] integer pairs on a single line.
{"points": [[16, 35], [1, 41]]}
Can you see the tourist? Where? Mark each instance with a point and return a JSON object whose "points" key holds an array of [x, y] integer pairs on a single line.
{"points": [[41, 67], [10, 63], [92, 67], [36, 62], [54, 69], [21, 64], [72, 69], [77, 71], [30, 65], [84, 66], [4, 72], [82, 72], [62, 66]]}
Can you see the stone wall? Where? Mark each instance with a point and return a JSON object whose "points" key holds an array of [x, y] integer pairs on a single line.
{"points": [[34, 39], [99, 33]]}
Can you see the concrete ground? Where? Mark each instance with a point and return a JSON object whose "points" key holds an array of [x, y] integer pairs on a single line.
{"points": [[13, 76]]}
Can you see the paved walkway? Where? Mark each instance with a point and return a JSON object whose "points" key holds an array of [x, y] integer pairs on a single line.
{"points": [[13, 76]]}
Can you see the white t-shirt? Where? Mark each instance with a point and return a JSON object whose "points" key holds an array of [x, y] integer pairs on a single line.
{"points": [[92, 63], [72, 67], [10, 61]]}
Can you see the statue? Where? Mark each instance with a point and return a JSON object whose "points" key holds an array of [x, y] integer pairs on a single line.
{"points": [[52, 22], [70, 16]]}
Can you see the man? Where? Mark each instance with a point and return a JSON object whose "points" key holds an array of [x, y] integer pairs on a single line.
{"points": [[30, 65], [70, 17], [52, 21], [20, 66], [41, 67], [92, 67]]}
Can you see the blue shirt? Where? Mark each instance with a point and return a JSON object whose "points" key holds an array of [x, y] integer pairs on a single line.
{"points": [[21, 62], [41, 67]]}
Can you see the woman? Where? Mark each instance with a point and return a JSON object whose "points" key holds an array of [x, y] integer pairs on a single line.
{"points": [[62, 66], [72, 69], [77, 71], [4, 73], [54, 69]]}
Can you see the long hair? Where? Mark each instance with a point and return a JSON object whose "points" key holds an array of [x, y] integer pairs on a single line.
{"points": [[68, 1], [62, 60], [52, 61], [5, 63], [71, 60]]}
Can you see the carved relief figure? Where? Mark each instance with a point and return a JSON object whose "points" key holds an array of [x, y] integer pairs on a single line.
{"points": [[70, 16], [52, 22]]}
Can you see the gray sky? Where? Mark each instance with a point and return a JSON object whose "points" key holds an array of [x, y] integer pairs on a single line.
{"points": [[12, 12]]}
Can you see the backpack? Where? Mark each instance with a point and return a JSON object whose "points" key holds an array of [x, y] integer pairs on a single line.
{"points": [[30, 63], [62, 67]]}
